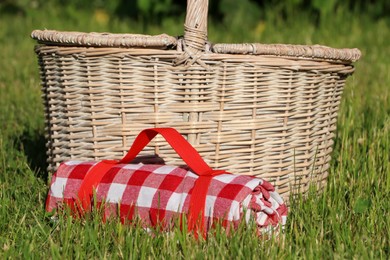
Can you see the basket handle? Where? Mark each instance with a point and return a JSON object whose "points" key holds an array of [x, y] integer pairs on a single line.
{"points": [[195, 26], [195, 33]]}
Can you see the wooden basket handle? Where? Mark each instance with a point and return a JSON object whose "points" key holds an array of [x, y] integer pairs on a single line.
{"points": [[195, 26], [195, 34]]}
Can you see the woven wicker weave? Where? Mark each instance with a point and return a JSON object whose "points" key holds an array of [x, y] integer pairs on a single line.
{"points": [[267, 110]]}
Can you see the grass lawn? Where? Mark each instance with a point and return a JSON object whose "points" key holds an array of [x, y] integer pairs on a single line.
{"points": [[349, 220]]}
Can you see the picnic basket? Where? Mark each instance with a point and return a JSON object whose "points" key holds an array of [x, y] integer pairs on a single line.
{"points": [[256, 109]]}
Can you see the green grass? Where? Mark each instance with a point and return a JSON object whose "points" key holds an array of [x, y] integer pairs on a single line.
{"points": [[349, 220]]}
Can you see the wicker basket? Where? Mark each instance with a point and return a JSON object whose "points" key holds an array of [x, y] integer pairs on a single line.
{"points": [[265, 110]]}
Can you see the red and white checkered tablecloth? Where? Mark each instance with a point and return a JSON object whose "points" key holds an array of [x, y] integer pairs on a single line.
{"points": [[159, 193]]}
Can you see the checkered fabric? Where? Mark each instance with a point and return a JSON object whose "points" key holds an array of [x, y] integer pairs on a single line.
{"points": [[157, 194]]}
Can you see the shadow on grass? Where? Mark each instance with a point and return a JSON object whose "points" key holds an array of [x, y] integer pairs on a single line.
{"points": [[32, 144]]}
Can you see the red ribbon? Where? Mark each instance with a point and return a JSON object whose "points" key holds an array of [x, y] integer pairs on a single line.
{"points": [[184, 149]]}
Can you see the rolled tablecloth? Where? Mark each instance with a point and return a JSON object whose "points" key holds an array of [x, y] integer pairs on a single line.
{"points": [[157, 194]]}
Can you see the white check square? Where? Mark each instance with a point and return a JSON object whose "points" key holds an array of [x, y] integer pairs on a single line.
{"points": [[225, 178], [58, 187], [164, 169], [115, 193], [132, 166], [192, 175], [145, 197], [75, 162], [209, 207], [176, 202], [234, 212], [253, 183]]}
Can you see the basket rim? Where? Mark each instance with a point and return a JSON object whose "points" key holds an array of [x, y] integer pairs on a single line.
{"points": [[102, 39], [164, 41]]}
